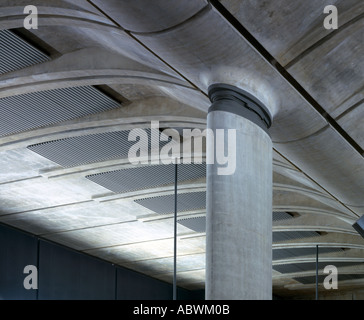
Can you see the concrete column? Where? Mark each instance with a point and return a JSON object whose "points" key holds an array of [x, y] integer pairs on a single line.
{"points": [[239, 205]]}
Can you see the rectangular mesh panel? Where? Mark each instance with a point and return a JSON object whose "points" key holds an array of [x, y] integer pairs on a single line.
{"points": [[165, 204], [310, 279], [39, 109], [76, 151], [293, 235], [309, 266], [16, 53], [147, 177], [197, 224], [86, 149], [297, 252], [277, 216], [321, 278]]}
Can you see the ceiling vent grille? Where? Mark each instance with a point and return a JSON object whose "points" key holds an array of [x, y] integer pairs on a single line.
{"points": [[16, 53], [76, 151], [152, 176], [279, 215], [165, 204], [309, 266], [197, 224], [299, 252], [39, 109], [321, 278], [293, 235]]}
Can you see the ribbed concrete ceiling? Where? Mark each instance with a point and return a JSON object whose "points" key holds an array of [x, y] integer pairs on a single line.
{"points": [[93, 70]]}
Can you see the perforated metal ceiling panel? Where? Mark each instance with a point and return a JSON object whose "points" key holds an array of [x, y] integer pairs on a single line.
{"points": [[86, 149], [309, 266], [297, 252], [197, 224], [293, 235], [147, 177], [16, 53], [39, 109], [165, 204], [279, 215], [321, 278]]}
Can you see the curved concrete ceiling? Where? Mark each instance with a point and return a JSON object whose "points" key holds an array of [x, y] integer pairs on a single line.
{"points": [[156, 63]]}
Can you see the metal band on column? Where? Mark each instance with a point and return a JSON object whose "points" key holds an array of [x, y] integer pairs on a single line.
{"points": [[228, 98]]}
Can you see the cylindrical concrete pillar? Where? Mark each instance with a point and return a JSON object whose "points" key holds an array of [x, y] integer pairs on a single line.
{"points": [[239, 202]]}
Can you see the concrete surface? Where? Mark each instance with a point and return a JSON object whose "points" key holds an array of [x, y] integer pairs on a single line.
{"points": [[161, 58]]}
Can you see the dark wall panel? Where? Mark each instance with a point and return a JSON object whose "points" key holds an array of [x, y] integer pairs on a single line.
{"points": [[66, 274], [183, 294], [17, 250], [134, 286]]}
